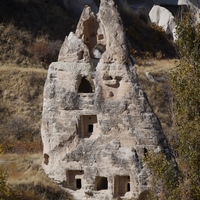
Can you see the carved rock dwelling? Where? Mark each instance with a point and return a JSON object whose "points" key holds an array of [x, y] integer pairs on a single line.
{"points": [[97, 123]]}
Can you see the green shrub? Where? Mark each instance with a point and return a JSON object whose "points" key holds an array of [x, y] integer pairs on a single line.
{"points": [[182, 183], [186, 106]]}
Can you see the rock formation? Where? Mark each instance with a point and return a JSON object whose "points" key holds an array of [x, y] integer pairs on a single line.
{"points": [[97, 124], [161, 12], [163, 17]]}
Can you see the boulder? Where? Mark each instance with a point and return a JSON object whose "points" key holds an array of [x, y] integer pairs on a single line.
{"points": [[164, 18], [97, 124]]}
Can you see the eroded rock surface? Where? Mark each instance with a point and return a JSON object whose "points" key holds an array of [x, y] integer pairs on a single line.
{"points": [[97, 123], [163, 17]]}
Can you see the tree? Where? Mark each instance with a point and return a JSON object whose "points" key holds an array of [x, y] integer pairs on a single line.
{"points": [[186, 106], [182, 181]]}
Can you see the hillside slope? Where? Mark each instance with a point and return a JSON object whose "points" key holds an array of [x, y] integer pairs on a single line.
{"points": [[32, 33], [37, 17], [21, 96]]}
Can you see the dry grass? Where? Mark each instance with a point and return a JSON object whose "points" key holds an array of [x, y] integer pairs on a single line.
{"points": [[156, 66], [32, 32], [21, 147], [28, 179], [158, 91], [18, 166], [21, 97], [19, 47]]}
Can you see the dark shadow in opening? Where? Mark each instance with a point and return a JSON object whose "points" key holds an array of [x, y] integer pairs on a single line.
{"points": [[101, 183], [85, 86]]}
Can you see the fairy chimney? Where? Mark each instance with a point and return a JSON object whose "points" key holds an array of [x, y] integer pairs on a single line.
{"points": [[97, 124]]}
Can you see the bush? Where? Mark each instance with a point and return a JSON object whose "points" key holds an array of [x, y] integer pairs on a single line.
{"points": [[31, 31], [164, 177], [186, 106], [18, 128], [45, 51]]}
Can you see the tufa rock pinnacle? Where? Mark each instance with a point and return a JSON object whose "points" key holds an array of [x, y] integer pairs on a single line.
{"points": [[97, 124]]}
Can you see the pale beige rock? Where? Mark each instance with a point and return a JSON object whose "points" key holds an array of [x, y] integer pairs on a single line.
{"points": [[164, 18], [97, 124]]}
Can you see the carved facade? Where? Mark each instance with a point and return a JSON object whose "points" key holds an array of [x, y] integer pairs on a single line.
{"points": [[97, 123]]}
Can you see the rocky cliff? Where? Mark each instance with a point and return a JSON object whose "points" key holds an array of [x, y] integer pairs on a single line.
{"points": [[97, 124]]}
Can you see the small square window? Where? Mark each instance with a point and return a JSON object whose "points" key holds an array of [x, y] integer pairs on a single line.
{"points": [[101, 183]]}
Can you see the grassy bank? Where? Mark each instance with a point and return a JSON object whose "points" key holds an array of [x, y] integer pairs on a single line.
{"points": [[27, 180], [21, 96]]}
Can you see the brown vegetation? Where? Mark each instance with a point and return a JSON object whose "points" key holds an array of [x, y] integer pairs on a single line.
{"points": [[21, 94], [26, 180], [32, 32], [158, 90], [19, 47]]}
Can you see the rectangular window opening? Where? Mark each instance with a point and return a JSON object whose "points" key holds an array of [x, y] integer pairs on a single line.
{"points": [[90, 128], [122, 185], [78, 184], [74, 179], [128, 187], [87, 125], [101, 183]]}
